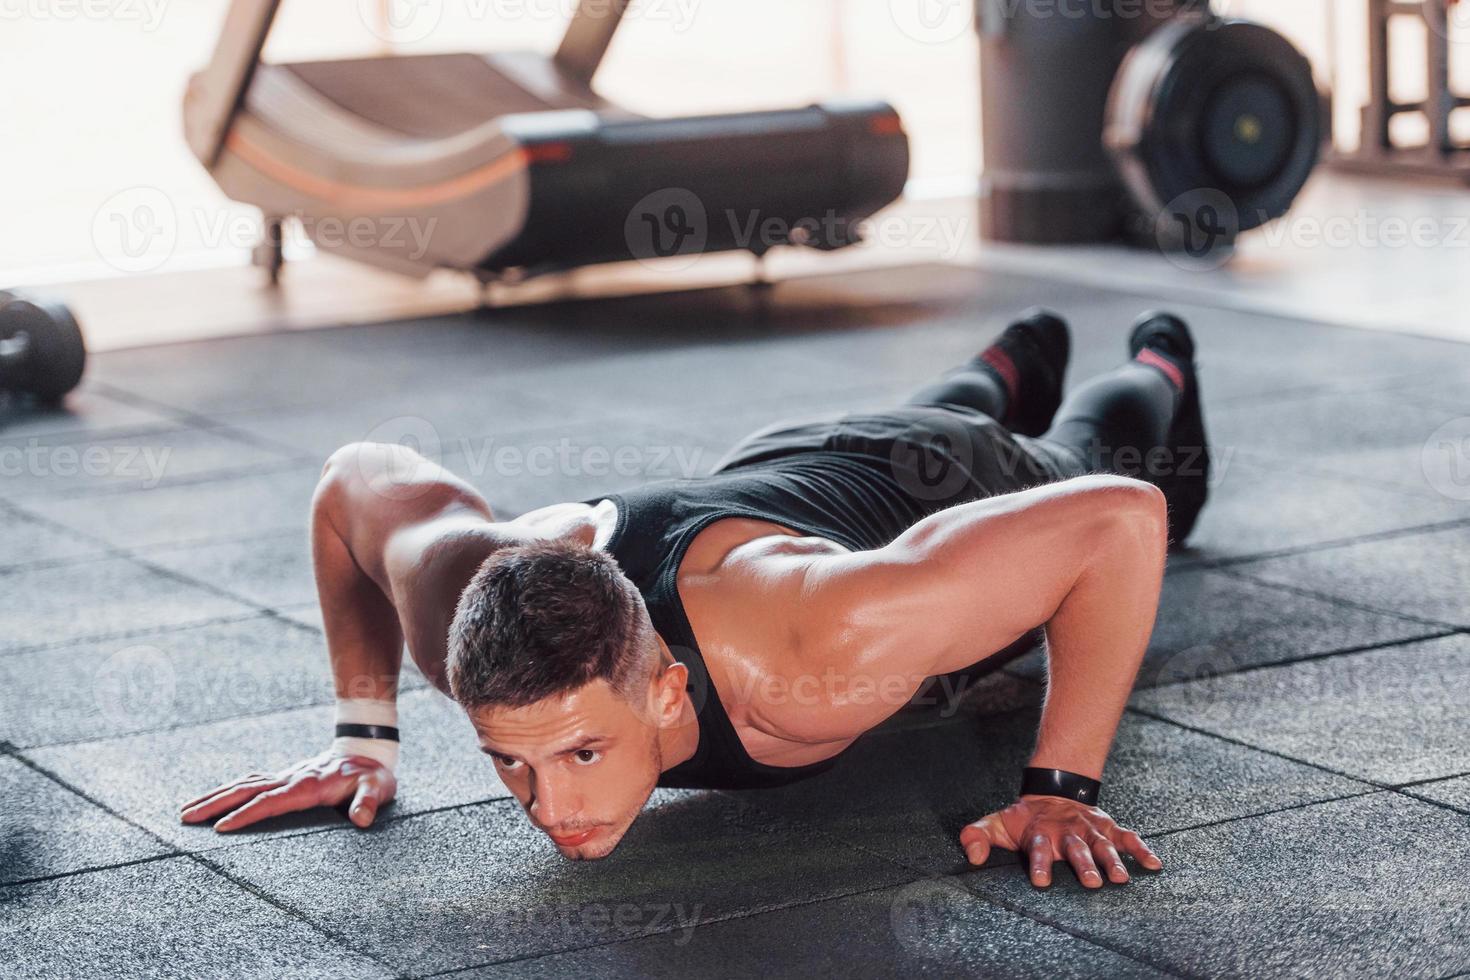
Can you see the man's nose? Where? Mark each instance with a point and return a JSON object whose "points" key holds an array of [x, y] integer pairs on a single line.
{"points": [[553, 801]]}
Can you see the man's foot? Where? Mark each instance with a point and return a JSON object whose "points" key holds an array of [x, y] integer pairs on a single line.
{"points": [[1029, 359], [1162, 341]]}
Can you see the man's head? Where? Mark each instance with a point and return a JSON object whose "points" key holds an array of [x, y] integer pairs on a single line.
{"points": [[553, 656]]}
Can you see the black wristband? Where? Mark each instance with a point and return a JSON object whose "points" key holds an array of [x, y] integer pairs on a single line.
{"points": [[1059, 782], [385, 732]]}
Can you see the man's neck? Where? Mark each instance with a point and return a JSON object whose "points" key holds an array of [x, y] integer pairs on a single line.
{"points": [[678, 742]]}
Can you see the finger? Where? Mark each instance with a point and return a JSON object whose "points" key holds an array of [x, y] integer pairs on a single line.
{"points": [[1108, 859], [977, 851], [1040, 852], [364, 804], [1134, 846], [1075, 850], [988, 830], [224, 788], [228, 800], [285, 799]]}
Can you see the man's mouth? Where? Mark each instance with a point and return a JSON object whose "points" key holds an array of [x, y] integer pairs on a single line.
{"points": [[574, 839]]}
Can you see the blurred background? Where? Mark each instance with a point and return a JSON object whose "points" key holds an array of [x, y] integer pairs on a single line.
{"points": [[100, 88]]}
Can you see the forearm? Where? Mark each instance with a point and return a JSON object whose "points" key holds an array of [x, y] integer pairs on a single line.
{"points": [[364, 636], [364, 642], [1095, 643]]}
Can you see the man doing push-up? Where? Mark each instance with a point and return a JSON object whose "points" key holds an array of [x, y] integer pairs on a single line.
{"points": [[605, 647]]}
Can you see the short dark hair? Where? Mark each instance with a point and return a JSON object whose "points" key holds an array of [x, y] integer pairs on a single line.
{"points": [[545, 618]]}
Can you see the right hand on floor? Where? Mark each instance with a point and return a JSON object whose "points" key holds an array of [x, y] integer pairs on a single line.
{"points": [[328, 779]]}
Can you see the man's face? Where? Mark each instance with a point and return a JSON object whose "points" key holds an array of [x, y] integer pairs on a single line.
{"points": [[582, 764]]}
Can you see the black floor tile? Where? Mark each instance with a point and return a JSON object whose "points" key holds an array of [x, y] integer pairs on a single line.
{"points": [[1211, 622], [169, 918], [161, 679], [470, 887], [1425, 575], [929, 928], [1372, 886], [47, 830], [50, 468], [1394, 715], [233, 508], [27, 541], [50, 605], [907, 796], [273, 570], [1258, 505], [147, 778]]}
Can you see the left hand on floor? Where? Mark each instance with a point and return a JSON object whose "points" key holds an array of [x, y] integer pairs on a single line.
{"points": [[1050, 828]]}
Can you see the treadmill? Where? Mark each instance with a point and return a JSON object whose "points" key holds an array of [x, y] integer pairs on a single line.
{"points": [[509, 164]]}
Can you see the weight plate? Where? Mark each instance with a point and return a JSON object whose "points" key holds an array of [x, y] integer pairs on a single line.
{"points": [[1205, 110]]}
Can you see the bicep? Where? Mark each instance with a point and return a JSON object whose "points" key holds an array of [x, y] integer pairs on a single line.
{"points": [[967, 581]]}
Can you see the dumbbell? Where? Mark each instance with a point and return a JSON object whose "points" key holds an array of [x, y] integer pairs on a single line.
{"points": [[41, 348]]}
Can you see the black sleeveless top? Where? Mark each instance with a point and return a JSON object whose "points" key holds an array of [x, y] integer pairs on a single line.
{"points": [[852, 480], [657, 523]]}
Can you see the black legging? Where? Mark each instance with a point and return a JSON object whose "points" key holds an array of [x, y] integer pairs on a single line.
{"points": [[1112, 421]]}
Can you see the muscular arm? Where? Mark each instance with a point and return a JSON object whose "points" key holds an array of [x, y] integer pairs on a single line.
{"points": [[393, 537], [1084, 557], [380, 517]]}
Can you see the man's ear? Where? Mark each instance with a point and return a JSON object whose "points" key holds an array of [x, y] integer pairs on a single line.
{"points": [[666, 693]]}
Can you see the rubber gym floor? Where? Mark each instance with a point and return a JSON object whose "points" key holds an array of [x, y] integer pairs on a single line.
{"points": [[1297, 749]]}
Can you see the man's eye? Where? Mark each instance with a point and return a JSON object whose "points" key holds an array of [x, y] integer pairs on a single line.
{"points": [[586, 757], [506, 762]]}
